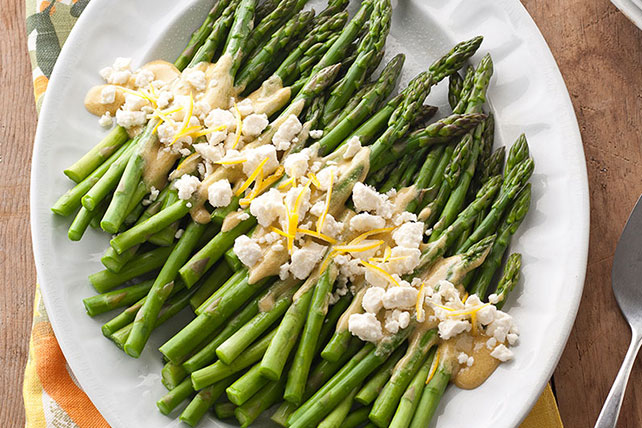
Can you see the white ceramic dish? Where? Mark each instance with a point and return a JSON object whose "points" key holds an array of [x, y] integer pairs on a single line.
{"points": [[527, 95], [632, 9]]}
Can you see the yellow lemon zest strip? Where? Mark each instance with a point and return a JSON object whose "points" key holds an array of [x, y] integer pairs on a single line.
{"points": [[327, 261], [255, 190], [419, 307], [187, 159], [381, 271], [231, 161], [468, 312], [271, 179], [251, 178], [356, 248], [318, 235], [286, 184], [139, 94], [370, 233], [321, 219], [315, 180], [239, 126], [279, 231], [433, 367], [186, 120]]}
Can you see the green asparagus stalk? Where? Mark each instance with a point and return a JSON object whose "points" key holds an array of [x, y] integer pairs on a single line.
{"points": [[201, 34], [370, 391], [175, 397], [185, 341], [203, 400], [247, 386], [298, 374], [217, 35], [261, 401], [163, 285], [505, 232], [220, 274], [369, 47], [431, 396], [337, 416], [220, 370], [230, 350], [105, 280], [205, 258], [386, 403], [410, 399], [224, 410], [509, 278], [111, 300], [455, 84], [172, 375], [319, 408], [87, 164]]}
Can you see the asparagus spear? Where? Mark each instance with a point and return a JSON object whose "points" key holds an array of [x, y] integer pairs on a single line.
{"points": [[455, 84], [369, 47], [509, 278], [87, 164], [504, 234]]}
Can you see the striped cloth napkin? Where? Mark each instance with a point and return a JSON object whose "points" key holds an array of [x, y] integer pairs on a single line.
{"points": [[52, 396]]}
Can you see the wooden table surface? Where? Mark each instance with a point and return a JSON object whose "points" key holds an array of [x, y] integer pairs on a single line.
{"points": [[600, 54]]}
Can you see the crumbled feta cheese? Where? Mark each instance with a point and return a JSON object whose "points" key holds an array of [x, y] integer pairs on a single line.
{"points": [[245, 107], [119, 77], [349, 268], [284, 271], [201, 109], [244, 216], [365, 326], [164, 98], [450, 328], [403, 260], [153, 194], [318, 208], [400, 297], [106, 120], [255, 156], [493, 298], [316, 133], [304, 201], [219, 117], [352, 147], [491, 343], [106, 73], [122, 63], [186, 186], [500, 327], [267, 207], [209, 152], [462, 358], [247, 250], [130, 119], [404, 217], [395, 320], [143, 78], [502, 353], [304, 259], [286, 132], [331, 227], [166, 132], [219, 194], [254, 124], [366, 198], [196, 78], [409, 234], [372, 299], [108, 95], [296, 164], [512, 338], [364, 221], [179, 233], [324, 177]]}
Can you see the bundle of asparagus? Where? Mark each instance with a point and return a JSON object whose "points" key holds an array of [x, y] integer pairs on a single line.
{"points": [[235, 187]]}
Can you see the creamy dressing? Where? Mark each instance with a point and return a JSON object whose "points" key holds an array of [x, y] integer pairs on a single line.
{"points": [[269, 264], [483, 366], [219, 83], [354, 308], [94, 106], [266, 303], [157, 163], [270, 97]]}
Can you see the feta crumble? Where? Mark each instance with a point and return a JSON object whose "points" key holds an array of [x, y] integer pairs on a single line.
{"points": [[219, 194], [247, 250], [186, 186], [365, 326]]}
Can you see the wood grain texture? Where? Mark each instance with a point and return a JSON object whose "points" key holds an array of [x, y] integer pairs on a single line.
{"points": [[599, 53], [17, 128]]}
